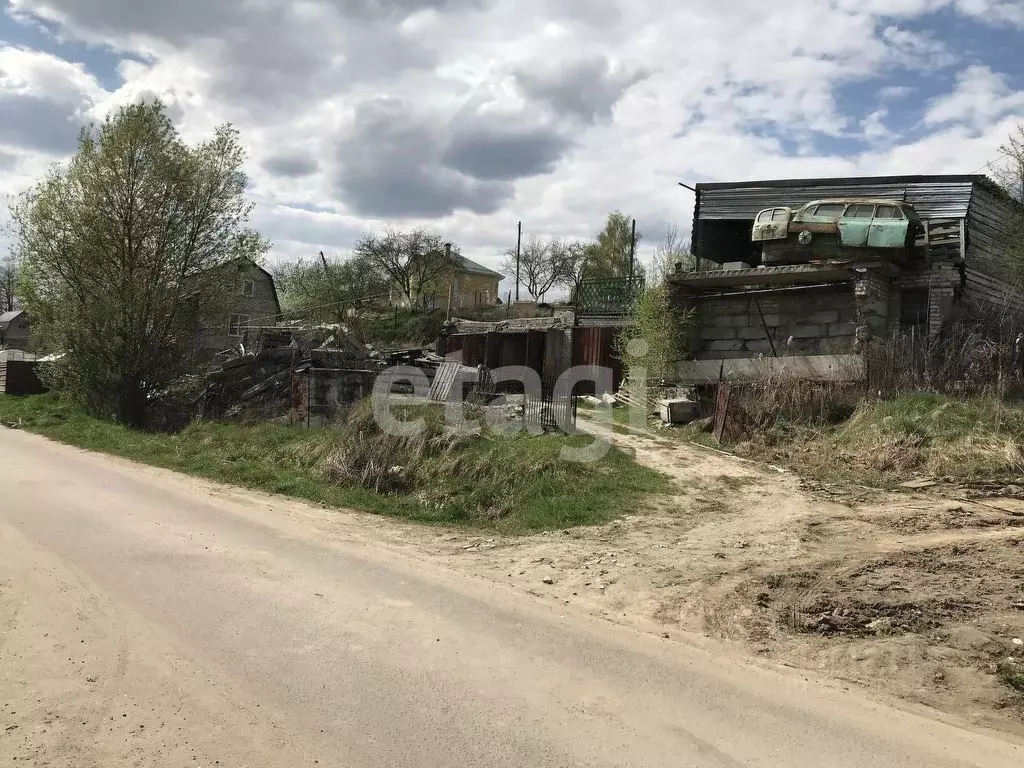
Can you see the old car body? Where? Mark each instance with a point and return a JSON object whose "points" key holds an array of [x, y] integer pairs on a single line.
{"points": [[831, 228]]}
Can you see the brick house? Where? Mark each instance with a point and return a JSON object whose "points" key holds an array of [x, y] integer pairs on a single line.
{"points": [[471, 285], [821, 295]]}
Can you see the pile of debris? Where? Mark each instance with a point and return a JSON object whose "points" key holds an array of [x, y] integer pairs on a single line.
{"points": [[255, 380]]}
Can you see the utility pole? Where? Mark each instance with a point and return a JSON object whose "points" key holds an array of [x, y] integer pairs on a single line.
{"points": [[323, 260], [632, 251], [519, 243]]}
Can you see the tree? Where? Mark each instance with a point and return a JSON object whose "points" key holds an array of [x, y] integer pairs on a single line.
{"points": [[414, 261], [574, 264], [325, 289], [8, 282], [673, 254], [656, 338], [540, 266], [609, 256], [1009, 172], [129, 252]]}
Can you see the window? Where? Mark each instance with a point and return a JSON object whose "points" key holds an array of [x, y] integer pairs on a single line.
{"points": [[237, 325], [249, 288], [830, 210], [861, 211], [775, 214], [888, 212]]}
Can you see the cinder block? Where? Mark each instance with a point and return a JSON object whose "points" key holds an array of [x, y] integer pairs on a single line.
{"points": [[757, 332], [774, 320], [805, 331], [724, 346], [824, 318], [714, 334], [726, 321], [842, 329], [759, 345]]}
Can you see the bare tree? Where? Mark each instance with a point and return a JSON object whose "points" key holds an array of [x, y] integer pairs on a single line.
{"points": [[673, 254], [540, 266], [1010, 168], [8, 282], [129, 251], [574, 264], [1009, 172], [414, 261]]}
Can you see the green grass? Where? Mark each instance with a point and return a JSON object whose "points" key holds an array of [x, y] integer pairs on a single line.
{"points": [[514, 484], [978, 436], [1012, 674]]}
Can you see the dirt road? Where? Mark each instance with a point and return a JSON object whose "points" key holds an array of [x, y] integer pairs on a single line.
{"points": [[148, 619]]}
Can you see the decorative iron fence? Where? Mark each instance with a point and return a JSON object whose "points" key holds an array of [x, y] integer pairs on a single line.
{"points": [[611, 296]]}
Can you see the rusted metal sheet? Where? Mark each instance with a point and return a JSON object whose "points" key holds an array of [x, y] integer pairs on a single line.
{"points": [[596, 347]]}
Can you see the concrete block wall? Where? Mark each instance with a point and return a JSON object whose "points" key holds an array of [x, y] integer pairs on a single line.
{"points": [[945, 285], [815, 321]]}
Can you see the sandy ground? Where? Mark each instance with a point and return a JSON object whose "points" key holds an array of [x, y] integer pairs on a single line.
{"points": [[913, 594]]}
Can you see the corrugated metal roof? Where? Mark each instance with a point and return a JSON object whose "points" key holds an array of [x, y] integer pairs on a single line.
{"points": [[934, 197]]}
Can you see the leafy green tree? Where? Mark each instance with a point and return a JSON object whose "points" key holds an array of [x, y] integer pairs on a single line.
{"points": [[609, 255], [127, 253], [330, 289], [656, 339]]}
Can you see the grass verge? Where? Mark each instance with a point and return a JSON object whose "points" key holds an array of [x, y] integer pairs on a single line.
{"points": [[885, 442], [515, 484]]}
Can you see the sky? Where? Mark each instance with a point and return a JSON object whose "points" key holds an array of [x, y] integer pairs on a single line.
{"points": [[467, 116]]}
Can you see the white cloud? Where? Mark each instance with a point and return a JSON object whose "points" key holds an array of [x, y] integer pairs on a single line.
{"points": [[981, 96], [470, 115]]}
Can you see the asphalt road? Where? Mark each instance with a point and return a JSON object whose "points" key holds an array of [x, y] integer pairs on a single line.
{"points": [[150, 620]]}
